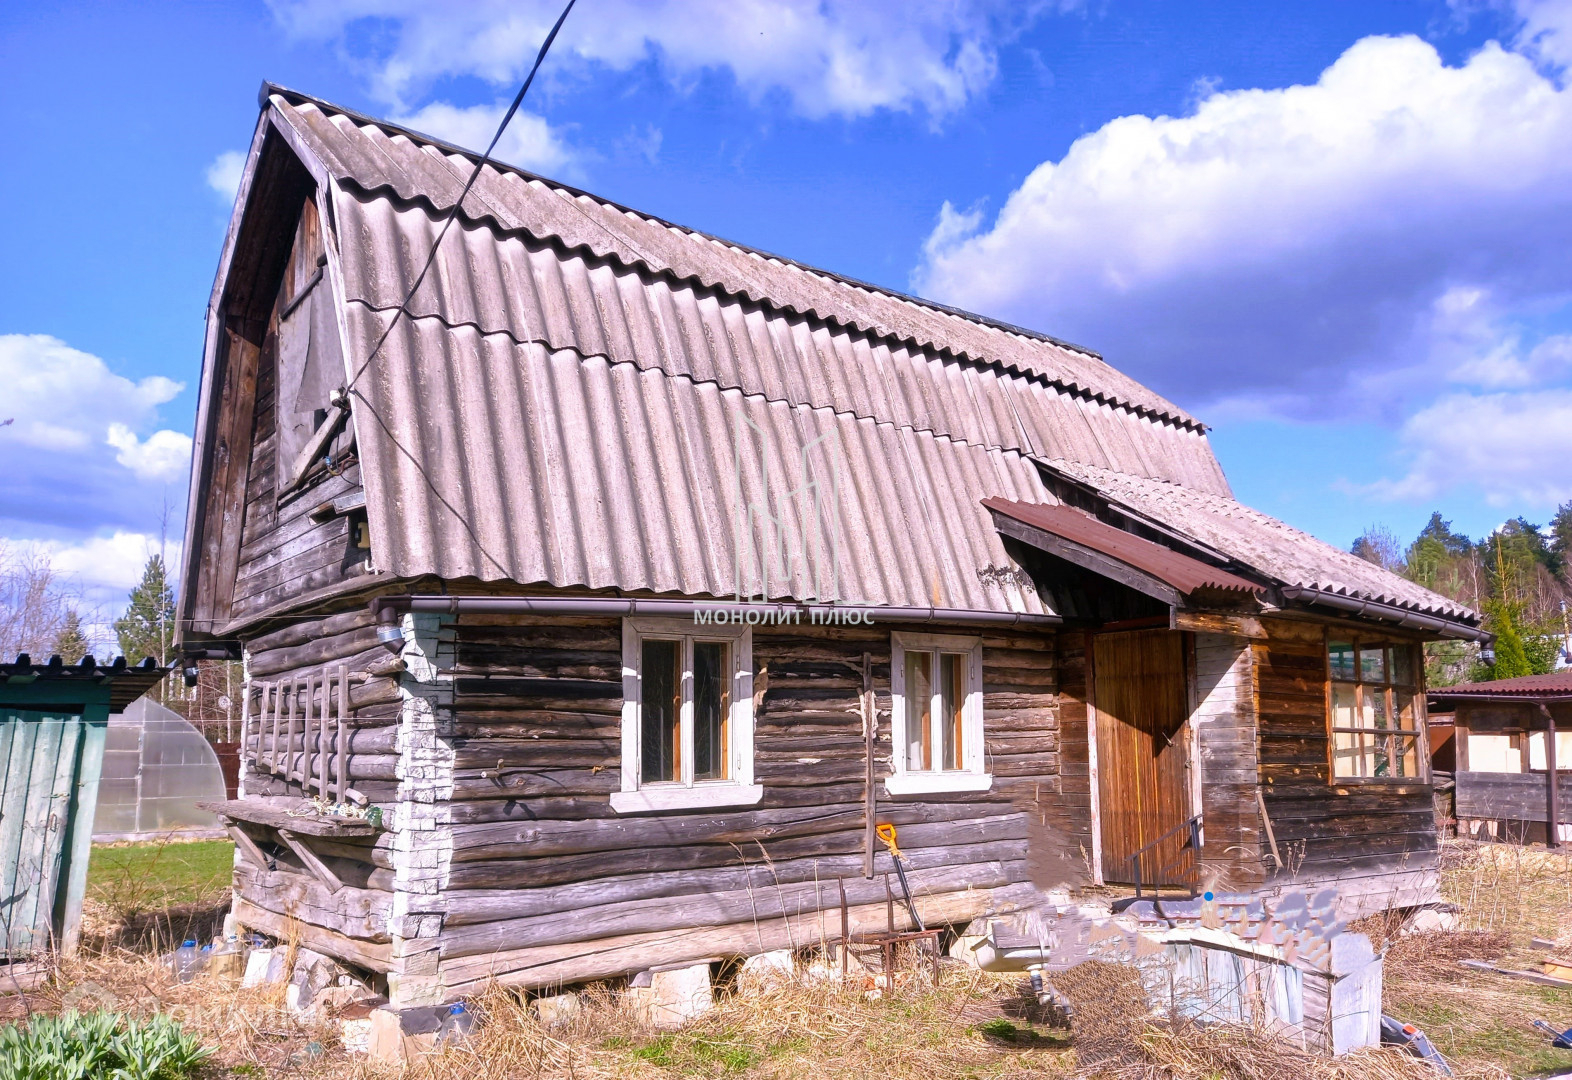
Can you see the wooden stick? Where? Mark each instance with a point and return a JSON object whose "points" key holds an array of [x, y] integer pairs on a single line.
{"points": [[248, 846], [871, 795], [318, 868], [305, 734], [343, 745]]}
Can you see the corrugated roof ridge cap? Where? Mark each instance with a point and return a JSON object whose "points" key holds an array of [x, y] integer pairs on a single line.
{"points": [[1158, 407]]}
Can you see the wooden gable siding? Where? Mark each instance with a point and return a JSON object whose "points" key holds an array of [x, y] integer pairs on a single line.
{"points": [[283, 553], [1346, 832]]}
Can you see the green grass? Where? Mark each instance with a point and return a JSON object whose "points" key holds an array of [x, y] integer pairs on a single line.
{"points": [[130, 877]]}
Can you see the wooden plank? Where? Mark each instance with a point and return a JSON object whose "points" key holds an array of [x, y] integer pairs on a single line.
{"points": [[309, 857], [274, 815], [1508, 796]]}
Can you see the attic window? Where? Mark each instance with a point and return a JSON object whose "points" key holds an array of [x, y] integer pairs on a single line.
{"points": [[1376, 710]]}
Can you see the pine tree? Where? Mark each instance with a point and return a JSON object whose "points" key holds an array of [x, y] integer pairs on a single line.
{"points": [[148, 626], [70, 643]]}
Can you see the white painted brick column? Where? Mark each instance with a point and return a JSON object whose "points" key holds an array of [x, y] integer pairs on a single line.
{"points": [[422, 836]]}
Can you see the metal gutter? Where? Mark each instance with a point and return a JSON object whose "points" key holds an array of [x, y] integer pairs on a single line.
{"points": [[386, 609], [1386, 612]]}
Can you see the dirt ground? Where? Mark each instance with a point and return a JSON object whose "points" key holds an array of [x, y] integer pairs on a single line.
{"points": [[972, 1024]]}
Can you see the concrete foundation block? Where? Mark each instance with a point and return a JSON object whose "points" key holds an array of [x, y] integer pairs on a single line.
{"points": [[557, 1010], [671, 998], [768, 969], [399, 1036]]}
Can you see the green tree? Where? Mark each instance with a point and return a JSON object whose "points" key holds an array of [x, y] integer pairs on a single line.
{"points": [[1511, 657], [148, 626], [1561, 541], [70, 643]]}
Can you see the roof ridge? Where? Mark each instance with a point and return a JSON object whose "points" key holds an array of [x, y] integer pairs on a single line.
{"points": [[1144, 403]]}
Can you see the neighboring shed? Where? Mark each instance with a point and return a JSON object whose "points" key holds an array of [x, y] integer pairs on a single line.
{"points": [[1513, 739], [609, 605], [53, 717]]}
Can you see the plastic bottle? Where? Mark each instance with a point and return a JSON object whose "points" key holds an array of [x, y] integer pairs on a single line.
{"points": [[185, 960], [458, 1023]]}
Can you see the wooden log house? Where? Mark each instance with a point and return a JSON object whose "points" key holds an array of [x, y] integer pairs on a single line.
{"points": [[634, 575]]}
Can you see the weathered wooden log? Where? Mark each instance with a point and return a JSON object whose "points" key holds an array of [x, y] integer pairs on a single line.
{"points": [[357, 913], [562, 869], [546, 965], [471, 906], [301, 631], [763, 901], [543, 838], [375, 956], [362, 740]]}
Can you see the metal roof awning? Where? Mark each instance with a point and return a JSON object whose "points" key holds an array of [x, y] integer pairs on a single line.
{"points": [[126, 682], [1556, 686], [1079, 538]]}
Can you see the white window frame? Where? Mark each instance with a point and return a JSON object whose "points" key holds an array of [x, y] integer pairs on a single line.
{"points": [[738, 789], [973, 774]]}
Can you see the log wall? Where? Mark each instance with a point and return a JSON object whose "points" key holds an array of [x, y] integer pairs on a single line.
{"points": [[495, 753], [1376, 842]]}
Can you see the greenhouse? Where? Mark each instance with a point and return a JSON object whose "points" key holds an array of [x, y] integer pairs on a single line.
{"points": [[156, 767]]}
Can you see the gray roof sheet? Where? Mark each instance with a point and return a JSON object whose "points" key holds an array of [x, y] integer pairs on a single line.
{"points": [[1260, 541], [561, 406]]}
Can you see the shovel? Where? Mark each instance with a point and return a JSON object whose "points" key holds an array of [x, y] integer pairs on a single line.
{"points": [[887, 834]]}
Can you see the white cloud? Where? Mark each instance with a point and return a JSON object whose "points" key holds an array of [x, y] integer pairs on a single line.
{"points": [[224, 173], [1510, 445], [1545, 30], [85, 454], [112, 563], [529, 142], [166, 455], [1309, 250], [845, 57]]}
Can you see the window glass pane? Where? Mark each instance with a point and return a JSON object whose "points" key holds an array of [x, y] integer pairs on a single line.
{"points": [[1343, 707], [1403, 715], [660, 734], [1351, 754], [919, 707], [1366, 714], [1383, 754], [1403, 665], [711, 709], [1376, 696], [952, 700], [1406, 761], [1372, 664], [1341, 656]]}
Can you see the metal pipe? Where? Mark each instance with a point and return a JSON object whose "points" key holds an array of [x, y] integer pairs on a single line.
{"points": [[1387, 612], [385, 608]]}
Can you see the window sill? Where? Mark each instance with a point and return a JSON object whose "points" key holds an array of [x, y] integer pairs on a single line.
{"points": [[698, 797], [932, 783]]}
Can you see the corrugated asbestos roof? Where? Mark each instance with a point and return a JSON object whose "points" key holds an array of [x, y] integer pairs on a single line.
{"points": [[1555, 684], [1181, 571], [1259, 541], [383, 159], [562, 405]]}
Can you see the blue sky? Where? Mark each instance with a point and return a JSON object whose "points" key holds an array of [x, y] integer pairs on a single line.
{"points": [[1335, 231]]}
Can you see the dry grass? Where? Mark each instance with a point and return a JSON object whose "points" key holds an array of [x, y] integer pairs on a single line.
{"points": [[973, 1025]]}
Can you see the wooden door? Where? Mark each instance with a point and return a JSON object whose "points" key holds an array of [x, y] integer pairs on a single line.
{"points": [[1142, 701]]}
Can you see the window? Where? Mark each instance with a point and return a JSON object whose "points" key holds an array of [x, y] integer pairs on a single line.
{"points": [[1376, 710], [687, 716], [936, 687]]}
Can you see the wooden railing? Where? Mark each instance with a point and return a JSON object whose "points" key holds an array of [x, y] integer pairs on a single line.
{"points": [[314, 707]]}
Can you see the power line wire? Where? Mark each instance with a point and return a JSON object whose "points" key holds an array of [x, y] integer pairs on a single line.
{"points": [[474, 175]]}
